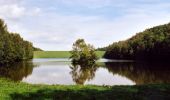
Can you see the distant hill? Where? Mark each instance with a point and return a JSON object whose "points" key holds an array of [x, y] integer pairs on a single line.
{"points": [[151, 44]]}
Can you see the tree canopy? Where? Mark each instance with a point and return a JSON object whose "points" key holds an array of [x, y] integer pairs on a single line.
{"points": [[152, 44], [12, 47], [82, 52]]}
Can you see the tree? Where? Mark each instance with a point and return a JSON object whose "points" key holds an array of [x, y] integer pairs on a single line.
{"points": [[13, 48], [83, 53], [150, 45]]}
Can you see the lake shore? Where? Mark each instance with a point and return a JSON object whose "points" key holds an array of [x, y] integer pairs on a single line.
{"points": [[10, 90]]}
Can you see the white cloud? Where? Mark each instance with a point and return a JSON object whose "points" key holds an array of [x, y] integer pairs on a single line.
{"points": [[7, 2], [54, 30], [11, 11], [88, 3], [61, 31]]}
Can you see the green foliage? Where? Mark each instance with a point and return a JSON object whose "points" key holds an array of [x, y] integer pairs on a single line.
{"points": [[82, 52], [12, 46], [152, 44]]}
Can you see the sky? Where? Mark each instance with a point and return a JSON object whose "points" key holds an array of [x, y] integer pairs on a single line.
{"points": [[56, 24]]}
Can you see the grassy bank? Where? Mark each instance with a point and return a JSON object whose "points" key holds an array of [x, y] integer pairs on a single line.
{"points": [[22, 91], [58, 54]]}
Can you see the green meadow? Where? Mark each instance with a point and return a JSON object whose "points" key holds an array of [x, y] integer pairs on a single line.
{"points": [[10, 90], [59, 54]]}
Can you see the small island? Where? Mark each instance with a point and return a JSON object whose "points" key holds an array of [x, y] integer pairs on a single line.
{"points": [[83, 53]]}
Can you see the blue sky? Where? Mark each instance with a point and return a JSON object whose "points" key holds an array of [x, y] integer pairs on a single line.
{"points": [[56, 24]]}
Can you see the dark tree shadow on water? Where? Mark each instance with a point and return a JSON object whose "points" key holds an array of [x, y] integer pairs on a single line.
{"points": [[143, 72], [154, 92], [17, 71]]}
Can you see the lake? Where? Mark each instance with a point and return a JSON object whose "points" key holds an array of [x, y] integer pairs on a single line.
{"points": [[104, 72]]}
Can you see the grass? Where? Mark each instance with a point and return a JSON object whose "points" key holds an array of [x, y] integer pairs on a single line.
{"points": [[59, 54], [23, 91]]}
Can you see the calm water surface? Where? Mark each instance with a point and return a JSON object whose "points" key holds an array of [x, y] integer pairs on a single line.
{"points": [[105, 72]]}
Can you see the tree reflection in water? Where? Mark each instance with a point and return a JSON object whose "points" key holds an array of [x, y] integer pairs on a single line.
{"points": [[142, 73], [139, 73], [83, 72], [17, 71]]}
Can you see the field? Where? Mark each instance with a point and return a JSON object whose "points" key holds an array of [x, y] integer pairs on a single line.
{"points": [[59, 54], [23, 91]]}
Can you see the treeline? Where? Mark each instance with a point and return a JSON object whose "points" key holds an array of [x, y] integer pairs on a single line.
{"points": [[152, 44], [12, 47], [101, 49], [37, 49]]}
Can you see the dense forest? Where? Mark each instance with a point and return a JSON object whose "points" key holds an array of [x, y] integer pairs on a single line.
{"points": [[12, 47], [149, 45]]}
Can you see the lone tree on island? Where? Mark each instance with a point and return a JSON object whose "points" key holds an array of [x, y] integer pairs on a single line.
{"points": [[83, 53]]}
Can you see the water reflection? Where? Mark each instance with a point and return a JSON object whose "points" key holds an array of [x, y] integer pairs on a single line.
{"points": [[83, 72], [142, 73], [17, 71], [139, 73], [109, 73]]}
